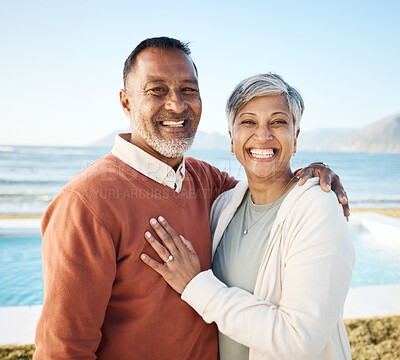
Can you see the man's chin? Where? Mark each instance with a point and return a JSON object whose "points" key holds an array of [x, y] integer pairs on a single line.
{"points": [[173, 151]]}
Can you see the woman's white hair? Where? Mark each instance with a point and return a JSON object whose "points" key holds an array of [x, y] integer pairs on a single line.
{"points": [[264, 85]]}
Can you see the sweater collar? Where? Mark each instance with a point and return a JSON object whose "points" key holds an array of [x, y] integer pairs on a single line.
{"points": [[148, 165]]}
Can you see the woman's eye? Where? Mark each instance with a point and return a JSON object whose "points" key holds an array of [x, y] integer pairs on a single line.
{"points": [[279, 121], [249, 122]]}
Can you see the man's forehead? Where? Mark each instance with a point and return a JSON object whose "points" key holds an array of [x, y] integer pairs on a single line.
{"points": [[155, 62]]}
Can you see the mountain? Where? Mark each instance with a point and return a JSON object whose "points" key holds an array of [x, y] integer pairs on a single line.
{"points": [[203, 140], [382, 136], [206, 140], [108, 140]]}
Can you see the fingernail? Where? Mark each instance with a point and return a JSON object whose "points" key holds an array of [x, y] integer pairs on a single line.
{"points": [[153, 221], [160, 218], [147, 234]]}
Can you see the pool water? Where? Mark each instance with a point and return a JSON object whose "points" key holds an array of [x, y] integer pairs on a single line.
{"points": [[377, 259], [21, 283]]}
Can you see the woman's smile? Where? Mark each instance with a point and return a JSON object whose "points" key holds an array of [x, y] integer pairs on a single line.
{"points": [[262, 154]]}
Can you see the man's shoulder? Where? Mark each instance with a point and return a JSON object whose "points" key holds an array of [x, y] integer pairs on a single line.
{"points": [[102, 172], [196, 163], [199, 167], [94, 187]]}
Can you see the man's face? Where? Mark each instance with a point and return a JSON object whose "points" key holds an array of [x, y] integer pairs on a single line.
{"points": [[163, 102]]}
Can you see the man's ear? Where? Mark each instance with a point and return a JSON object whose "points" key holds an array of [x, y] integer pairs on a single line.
{"points": [[125, 103]]}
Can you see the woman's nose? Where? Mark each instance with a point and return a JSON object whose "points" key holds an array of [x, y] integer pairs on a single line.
{"points": [[263, 133]]}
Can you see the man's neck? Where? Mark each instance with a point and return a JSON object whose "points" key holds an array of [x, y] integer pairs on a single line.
{"points": [[173, 162]]}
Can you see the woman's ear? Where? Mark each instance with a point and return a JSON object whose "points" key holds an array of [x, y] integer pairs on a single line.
{"points": [[231, 137], [295, 140]]}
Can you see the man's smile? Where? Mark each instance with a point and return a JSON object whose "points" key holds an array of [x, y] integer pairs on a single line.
{"points": [[174, 124]]}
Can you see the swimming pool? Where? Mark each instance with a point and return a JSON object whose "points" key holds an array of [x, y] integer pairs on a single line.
{"points": [[21, 283], [21, 280]]}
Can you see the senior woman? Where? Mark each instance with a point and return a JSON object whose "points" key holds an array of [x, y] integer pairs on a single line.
{"points": [[282, 253]]}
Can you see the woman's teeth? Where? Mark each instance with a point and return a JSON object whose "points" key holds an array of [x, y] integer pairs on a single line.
{"points": [[262, 153], [173, 123]]}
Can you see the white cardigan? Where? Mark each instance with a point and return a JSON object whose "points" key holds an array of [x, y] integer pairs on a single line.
{"points": [[297, 306]]}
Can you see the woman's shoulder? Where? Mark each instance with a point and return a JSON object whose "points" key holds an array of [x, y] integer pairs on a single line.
{"points": [[232, 196], [226, 204], [310, 199], [311, 191]]}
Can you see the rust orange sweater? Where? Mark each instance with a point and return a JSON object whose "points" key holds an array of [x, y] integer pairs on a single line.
{"points": [[100, 300]]}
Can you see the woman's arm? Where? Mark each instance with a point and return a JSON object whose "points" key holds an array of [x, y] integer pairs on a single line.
{"points": [[315, 282]]}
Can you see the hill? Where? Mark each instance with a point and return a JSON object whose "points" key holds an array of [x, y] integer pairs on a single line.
{"points": [[382, 136], [203, 140]]}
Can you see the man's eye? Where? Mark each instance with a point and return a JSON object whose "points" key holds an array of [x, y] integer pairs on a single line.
{"points": [[189, 90], [157, 90]]}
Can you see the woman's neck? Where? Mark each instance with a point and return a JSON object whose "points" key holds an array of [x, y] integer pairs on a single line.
{"points": [[269, 190]]}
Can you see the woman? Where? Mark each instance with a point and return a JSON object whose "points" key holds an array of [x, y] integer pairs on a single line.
{"points": [[282, 254]]}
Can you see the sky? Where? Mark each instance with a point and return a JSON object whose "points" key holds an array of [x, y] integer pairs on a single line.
{"points": [[61, 61]]}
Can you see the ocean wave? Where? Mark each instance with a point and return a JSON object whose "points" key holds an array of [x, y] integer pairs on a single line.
{"points": [[7, 149], [84, 151], [376, 203], [36, 182]]}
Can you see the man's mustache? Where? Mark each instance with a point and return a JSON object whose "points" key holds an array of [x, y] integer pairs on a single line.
{"points": [[162, 115]]}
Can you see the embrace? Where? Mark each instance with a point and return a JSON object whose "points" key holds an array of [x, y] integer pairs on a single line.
{"points": [[196, 265]]}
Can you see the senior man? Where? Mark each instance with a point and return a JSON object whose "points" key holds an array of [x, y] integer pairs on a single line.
{"points": [[100, 300]]}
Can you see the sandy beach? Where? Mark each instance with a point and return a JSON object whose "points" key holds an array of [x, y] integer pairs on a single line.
{"points": [[17, 323]]}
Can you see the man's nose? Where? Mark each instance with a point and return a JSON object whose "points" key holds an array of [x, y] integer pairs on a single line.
{"points": [[175, 102]]}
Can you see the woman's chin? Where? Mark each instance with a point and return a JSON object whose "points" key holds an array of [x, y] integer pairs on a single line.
{"points": [[266, 172]]}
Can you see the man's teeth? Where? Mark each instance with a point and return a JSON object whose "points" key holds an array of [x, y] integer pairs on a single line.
{"points": [[173, 123], [262, 154]]}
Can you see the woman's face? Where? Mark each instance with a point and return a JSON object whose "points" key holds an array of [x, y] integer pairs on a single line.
{"points": [[263, 138]]}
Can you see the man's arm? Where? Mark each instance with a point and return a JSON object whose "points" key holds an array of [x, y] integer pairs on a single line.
{"points": [[79, 269]]}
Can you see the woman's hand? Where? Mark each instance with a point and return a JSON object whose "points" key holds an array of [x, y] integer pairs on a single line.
{"points": [[181, 263], [328, 180]]}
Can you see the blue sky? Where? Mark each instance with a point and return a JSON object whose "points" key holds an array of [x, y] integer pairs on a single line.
{"points": [[61, 61]]}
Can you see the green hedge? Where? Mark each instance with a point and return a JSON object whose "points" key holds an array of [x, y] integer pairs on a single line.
{"points": [[370, 339]]}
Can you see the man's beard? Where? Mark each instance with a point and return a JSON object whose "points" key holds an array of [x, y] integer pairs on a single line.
{"points": [[174, 148]]}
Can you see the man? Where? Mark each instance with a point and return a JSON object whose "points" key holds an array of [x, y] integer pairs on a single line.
{"points": [[101, 301]]}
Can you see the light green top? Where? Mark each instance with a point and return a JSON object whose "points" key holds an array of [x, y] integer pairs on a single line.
{"points": [[238, 258]]}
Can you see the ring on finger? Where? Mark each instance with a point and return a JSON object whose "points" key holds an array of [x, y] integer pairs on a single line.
{"points": [[170, 257]]}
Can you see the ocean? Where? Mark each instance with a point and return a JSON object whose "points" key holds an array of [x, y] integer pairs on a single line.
{"points": [[31, 176]]}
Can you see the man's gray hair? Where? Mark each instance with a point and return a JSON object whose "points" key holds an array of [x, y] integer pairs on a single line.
{"points": [[264, 85]]}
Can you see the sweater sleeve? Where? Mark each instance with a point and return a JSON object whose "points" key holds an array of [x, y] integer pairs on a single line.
{"points": [[220, 181], [79, 266], [223, 181], [315, 277]]}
